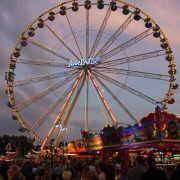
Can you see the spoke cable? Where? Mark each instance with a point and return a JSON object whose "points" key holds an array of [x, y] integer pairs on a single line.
{"points": [[50, 110], [130, 59], [42, 78], [41, 62], [127, 88], [74, 36], [117, 100], [114, 36], [45, 92], [125, 45], [134, 73], [87, 33], [40, 45], [67, 47], [98, 37]]}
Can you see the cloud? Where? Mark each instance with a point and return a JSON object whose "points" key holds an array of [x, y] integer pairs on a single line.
{"points": [[165, 13]]}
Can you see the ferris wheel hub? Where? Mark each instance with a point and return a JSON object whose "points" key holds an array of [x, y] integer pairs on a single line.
{"points": [[84, 61]]}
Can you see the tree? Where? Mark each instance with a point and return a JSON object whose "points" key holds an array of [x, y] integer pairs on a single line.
{"points": [[20, 143]]}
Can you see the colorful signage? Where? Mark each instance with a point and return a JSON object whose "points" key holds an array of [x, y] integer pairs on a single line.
{"points": [[83, 61]]}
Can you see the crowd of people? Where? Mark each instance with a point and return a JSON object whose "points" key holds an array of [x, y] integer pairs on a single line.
{"points": [[148, 170], [73, 169]]}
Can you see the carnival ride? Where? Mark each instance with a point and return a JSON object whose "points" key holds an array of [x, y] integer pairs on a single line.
{"points": [[158, 130], [91, 60]]}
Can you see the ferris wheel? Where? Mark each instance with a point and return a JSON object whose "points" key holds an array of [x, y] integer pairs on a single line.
{"points": [[86, 64]]}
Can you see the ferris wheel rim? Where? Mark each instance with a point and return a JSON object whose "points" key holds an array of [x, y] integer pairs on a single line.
{"points": [[22, 122]]}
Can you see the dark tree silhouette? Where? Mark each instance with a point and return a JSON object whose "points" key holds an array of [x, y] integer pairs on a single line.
{"points": [[20, 143]]}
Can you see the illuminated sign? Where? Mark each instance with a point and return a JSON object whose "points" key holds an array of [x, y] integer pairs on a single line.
{"points": [[83, 62]]}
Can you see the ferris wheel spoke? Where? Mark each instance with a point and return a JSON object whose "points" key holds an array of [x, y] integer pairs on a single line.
{"points": [[64, 123], [134, 73], [50, 110], [101, 30], [74, 36], [117, 100], [87, 33], [42, 46], [134, 58], [102, 97], [114, 36], [127, 88], [61, 40], [45, 92], [42, 78], [59, 116], [125, 45], [41, 62]]}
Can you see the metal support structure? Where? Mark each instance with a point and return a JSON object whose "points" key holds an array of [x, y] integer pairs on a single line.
{"points": [[126, 45], [102, 97], [74, 36], [64, 123], [61, 40], [101, 30], [114, 36], [87, 33], [86, 105], [41, 62], [42, 46], [45, 92], [130, 59], [58, 118], [42, 78], [117, 100], [50, 110], [134, 73], [127, 88]]}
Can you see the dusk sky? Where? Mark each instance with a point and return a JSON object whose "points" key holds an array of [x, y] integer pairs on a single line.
{"points": [[15, 15]]}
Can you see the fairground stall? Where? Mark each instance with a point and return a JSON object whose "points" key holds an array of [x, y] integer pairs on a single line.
{"points": [[157, 133]]}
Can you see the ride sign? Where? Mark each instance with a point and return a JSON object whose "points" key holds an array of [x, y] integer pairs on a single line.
{"points": [[83, 61]]}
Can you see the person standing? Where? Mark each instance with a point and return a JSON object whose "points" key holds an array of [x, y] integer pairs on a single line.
{"points": [[176, 174], [153, 173], [14, 173], [89, 173], [110, 172], [101, 167], [137, 171], [4, 169]]}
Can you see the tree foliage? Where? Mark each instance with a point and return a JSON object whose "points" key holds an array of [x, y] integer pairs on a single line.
{"points": [[20, 143]]}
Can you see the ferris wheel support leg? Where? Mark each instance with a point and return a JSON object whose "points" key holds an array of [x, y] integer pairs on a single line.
{"points": [[102, 97], [64, 124], [87, 102], [58, 118]]}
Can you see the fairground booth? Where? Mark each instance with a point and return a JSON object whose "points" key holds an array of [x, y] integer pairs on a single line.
{"points": [[157, 133]]}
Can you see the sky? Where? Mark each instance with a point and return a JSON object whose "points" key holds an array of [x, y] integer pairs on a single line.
{"points": [[17, 14]]}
